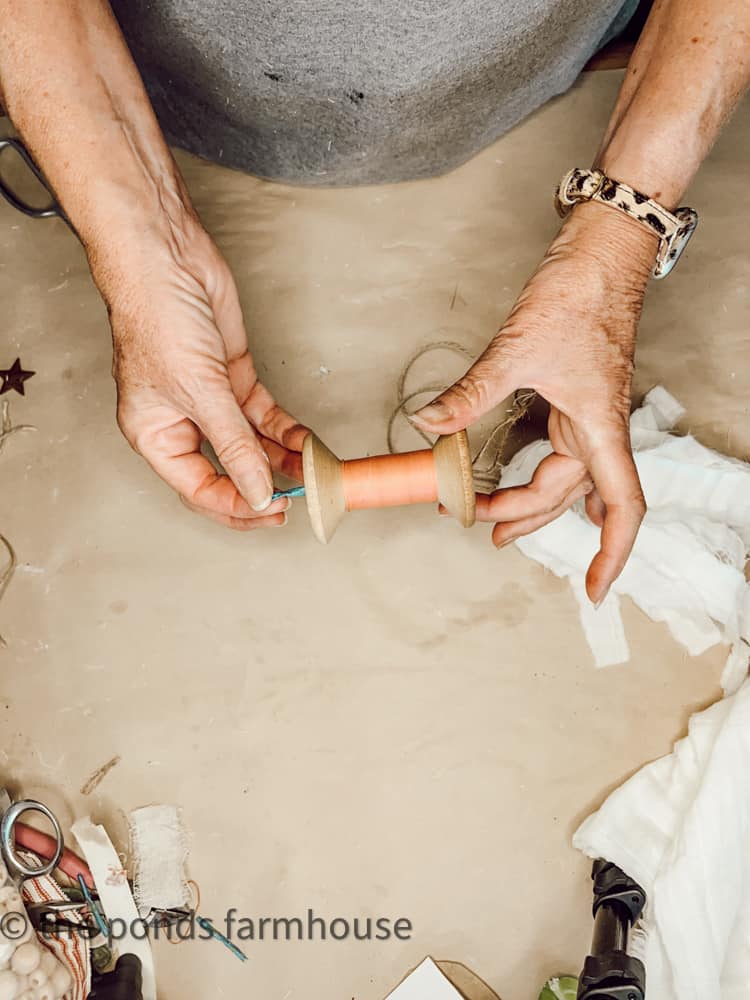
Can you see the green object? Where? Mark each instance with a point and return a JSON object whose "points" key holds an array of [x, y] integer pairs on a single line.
{"points": [[101, 958], [560, 988]]}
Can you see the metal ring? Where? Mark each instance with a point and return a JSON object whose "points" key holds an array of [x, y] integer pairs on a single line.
{"points": [[16, 867]]}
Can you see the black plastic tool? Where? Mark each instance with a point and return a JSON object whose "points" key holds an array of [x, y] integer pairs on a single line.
{"points": [[123, 983], [609, 972]]}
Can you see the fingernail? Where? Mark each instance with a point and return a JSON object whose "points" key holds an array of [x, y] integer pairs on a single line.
{"points": [[507, 541], [281, 524], [602, 599], [260, 492], [435, 413]]}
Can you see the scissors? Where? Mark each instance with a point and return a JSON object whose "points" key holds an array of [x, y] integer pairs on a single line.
{"points": [[18, 870], [44, 916], [52, 209]]}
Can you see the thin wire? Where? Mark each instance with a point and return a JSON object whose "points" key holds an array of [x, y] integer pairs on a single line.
{"points": [[7, 573], [196, 906], [403, 399], [6, 429], [487, 463], [196, 893]]}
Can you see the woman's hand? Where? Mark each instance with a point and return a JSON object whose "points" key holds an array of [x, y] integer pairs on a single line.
{"points": [[184, 375], [571, 337], [181, 362]]}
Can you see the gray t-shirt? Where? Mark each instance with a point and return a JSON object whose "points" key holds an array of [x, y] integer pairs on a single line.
{"points": [[332, 92]]}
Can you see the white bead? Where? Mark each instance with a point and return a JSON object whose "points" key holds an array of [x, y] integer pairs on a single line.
{"points": [[48, 962], [37, 978], [61, 980], [46, 992], [26, 995], [8, 985], [9, 899], [25, 958]]}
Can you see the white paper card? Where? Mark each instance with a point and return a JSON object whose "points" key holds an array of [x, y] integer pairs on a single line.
{"points": [[427, 982]]}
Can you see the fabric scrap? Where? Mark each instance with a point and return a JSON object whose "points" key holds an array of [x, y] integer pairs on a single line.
{"points": [[70, 949], [160, 850], [687, 568], [116, 898], [681, 828]]}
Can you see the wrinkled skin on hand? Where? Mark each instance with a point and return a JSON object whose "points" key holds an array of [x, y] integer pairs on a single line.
{"points": [[570, 337], [184, 376]]}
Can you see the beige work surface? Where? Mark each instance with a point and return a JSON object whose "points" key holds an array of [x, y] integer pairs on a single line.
{"points": [[406, 723]]}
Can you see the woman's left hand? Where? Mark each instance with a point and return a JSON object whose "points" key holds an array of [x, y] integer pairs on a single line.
{"points": [[570, 337]]}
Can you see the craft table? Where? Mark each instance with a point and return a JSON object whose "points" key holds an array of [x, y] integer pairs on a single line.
{"points": [[405, 723]]}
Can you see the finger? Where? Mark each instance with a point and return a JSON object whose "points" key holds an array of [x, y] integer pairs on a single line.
{"points": [[256, 402], [508, 531], [287, 463], [553, 484], [243, 512], [171, 445], [262, 410], [616, 479], [595, 508], [236, 445], [490, 380], [275, 520], [194, 478]]}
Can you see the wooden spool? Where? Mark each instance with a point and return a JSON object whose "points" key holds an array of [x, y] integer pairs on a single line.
{"points": [[333, 487]]}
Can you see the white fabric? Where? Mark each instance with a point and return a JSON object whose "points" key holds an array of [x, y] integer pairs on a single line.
{"points": [[116, 898], [160, 852], [681, 828], [602, 626], [687, 566], [427, 982]]}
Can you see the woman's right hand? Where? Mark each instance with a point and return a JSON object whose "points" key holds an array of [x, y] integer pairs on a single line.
{"points": [[181, 362], [184, 376]]}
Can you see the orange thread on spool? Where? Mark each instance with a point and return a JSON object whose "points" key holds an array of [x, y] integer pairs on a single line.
{"points": [[333, 487], [390, 480]]}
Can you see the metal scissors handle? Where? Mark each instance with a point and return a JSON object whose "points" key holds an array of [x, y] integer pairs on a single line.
{"points": [[18, 870], [53, 209]]}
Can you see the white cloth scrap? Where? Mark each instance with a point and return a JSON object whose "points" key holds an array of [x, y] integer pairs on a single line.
{"points": [[116, 898], [160, 850], [681, 828], [687, 566]]}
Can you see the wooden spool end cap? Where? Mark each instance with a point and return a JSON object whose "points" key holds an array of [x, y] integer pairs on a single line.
{"points": [[324, 488], [455, 477]]}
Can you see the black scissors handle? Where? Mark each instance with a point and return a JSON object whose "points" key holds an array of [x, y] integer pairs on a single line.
{"points": [[52, 209]]}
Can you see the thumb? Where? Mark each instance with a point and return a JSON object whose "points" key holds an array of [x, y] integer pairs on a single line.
{"points": [[238, 449], [489, 380]]}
